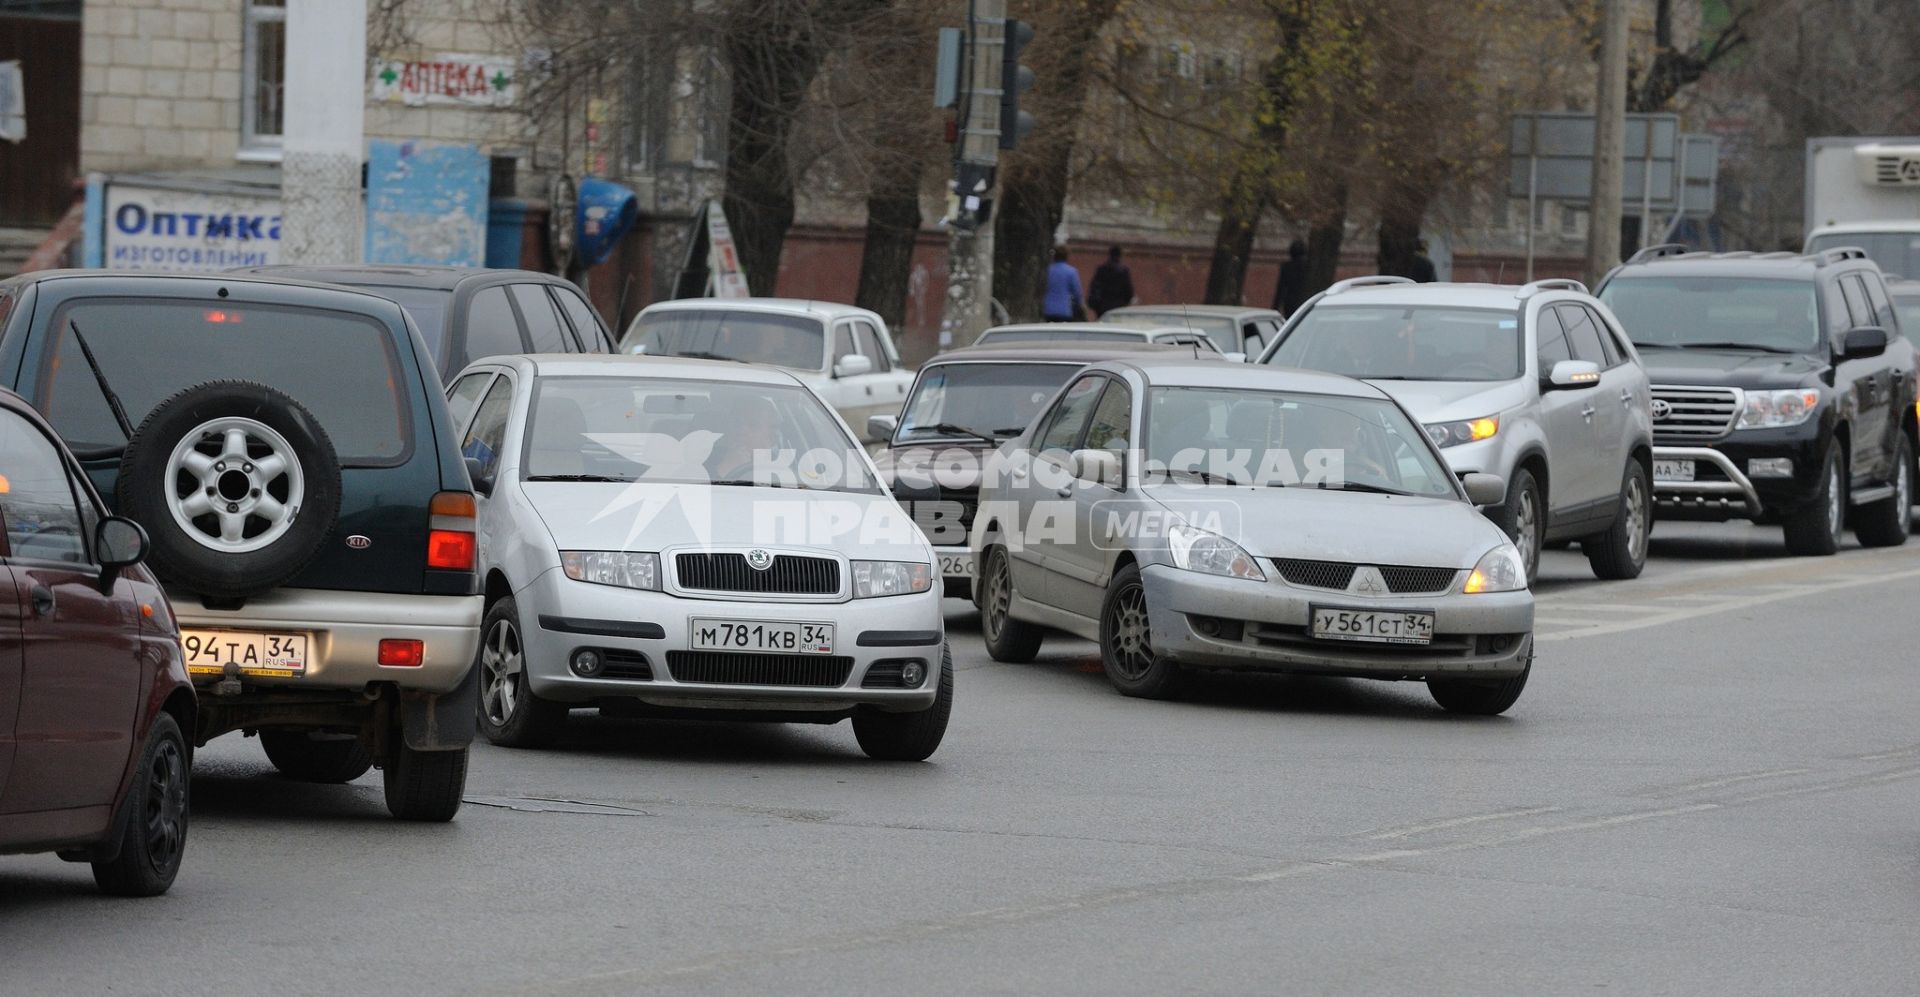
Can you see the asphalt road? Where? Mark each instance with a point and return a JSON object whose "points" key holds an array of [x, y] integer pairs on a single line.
{"points": [[1712, 785]]}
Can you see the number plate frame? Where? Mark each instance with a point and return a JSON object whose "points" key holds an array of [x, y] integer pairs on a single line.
{"points": [[1405, 616], [713, 633], [964, 562], [1675, 470], [252, 647]]}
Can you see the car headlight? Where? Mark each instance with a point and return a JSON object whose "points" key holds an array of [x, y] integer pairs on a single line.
{"points": [[1210, 553], [878, 578], [1774, 409], [1452, 434], [1500, 570], [612, 567]]}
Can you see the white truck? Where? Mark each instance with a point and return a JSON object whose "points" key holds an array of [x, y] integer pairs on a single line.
{"points": [[1865, 192]]}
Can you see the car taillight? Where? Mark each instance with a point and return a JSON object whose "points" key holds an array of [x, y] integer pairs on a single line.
{"points": [[450, 542], [397, 653]]}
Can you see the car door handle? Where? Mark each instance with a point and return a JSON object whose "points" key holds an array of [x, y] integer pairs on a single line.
{"points": [[42, 598], [1626, 396], [1587, 413], [1019, 473], [1064, 491]]}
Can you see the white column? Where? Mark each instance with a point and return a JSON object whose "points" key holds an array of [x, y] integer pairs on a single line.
{"points": [[322, 211]]}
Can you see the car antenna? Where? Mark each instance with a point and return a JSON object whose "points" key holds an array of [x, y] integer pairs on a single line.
{"points": [[113, 400]]}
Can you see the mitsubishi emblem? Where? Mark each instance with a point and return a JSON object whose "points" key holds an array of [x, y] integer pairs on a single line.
{"points": [[1367, 581], [759, 560]]}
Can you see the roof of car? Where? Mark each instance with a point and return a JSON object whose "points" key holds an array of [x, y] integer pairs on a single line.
{"points": [[1679, 260], [395, 275], [1904, 287], [1223, 311], [1505, 297], [1188, 372], [1077, 351], [150, 278], [1884, 225], [617, 364], [1101, 328], [825, 310]]}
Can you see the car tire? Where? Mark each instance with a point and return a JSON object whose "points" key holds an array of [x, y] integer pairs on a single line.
{"points": [[510, 714], [1481, 697], [1621, 552], [1524, 516], [1814, 529], [1126, 641], [274, 518], [298, 754], [1008, 640], [909, 737], [153, 822], [1888, 522], [424, 785]]}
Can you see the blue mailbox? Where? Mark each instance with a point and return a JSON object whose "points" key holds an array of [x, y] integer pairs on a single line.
{"points": [[603, 213]]}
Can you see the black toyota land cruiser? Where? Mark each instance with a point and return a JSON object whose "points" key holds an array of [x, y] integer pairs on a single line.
{"points": [[1783, 391]]}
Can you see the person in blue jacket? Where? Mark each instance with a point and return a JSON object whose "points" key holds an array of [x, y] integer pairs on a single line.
{"points": [[1064, 301]]}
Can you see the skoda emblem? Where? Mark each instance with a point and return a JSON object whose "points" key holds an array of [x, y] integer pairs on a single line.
{"points": [[1367, 581], [358, 542], [1661, 408], [759, 560]]}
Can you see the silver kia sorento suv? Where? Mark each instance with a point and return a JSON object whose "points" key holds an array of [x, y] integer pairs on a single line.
{"points": [[1537, 384]]}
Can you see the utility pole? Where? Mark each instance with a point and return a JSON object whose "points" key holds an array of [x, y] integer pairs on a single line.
{"points": [[969, 308], [1609, 142], [326, 103]]}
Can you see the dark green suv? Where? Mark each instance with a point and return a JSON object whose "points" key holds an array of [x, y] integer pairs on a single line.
{"points": [[287, 449]]}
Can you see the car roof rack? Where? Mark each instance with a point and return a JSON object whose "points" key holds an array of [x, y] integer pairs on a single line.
{"points": [[1838, 254], [1550, 284], [1659, 252], [1375, 280], [1778, 254]]}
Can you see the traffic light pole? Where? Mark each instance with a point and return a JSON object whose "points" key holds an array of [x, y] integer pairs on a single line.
{"points": [[969, 305]]}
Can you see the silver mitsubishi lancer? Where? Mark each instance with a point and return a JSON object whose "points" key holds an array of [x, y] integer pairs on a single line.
{"points": [[1198, 516]]}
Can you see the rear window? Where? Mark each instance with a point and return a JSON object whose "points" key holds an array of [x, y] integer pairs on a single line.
{"points": [[1062, 335], [149, 349], [427, 307], [793, 341]]}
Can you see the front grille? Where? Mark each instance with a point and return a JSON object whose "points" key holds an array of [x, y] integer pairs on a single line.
{"points": [[947, 519], [1337, 575], [789, 574], [1284, 636], [727, 668], [631, 666], [1694, 415], [1315, 574]]}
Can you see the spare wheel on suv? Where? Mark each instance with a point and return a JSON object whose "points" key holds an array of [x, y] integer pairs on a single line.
{"points": [[236, 483]]}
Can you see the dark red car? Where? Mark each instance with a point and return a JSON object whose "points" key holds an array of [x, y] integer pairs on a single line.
{"points": [[94, 696]]}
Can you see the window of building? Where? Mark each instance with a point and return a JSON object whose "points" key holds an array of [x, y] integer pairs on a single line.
{"points": [[263, 75]]}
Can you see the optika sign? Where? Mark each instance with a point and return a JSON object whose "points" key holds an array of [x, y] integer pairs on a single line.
{"points": [[162, 229]]}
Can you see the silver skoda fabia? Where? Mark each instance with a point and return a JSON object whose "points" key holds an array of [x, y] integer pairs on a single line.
{"points": [[1194, 516], [685, 537]]}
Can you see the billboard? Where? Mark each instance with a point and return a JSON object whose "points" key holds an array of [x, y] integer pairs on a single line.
{"points": [[150, 224]]}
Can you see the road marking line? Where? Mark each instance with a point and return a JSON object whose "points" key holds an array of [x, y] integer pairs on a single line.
{"points": [[1689, 787], [1682, 615], [1884, 755], [1441, 825]]}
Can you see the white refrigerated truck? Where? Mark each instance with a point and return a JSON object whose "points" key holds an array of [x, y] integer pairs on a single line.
{"points": [[1865, 192]]}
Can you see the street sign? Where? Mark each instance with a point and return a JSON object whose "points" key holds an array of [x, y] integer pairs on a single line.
{"points": [[1550, 157], [1699, 175], [426, 203], [723, 259]]}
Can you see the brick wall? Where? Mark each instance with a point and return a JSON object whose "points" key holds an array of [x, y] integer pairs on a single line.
{"points": [[160, 84]]}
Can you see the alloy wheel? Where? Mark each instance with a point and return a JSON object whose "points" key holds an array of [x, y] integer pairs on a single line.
{"points": [[1526, 522], [501, 663], [1836, 502], [1132, 638], [1636, 520], [999, 596], [166, 806], [234, 485]]}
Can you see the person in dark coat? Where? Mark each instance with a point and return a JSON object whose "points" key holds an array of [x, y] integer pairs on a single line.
{"points": [[1112, 285], [1290, 292], [1423, 271]]}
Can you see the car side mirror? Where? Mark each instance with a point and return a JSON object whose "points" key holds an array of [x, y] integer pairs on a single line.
{"points": [[1573, 374], [853, 365], [882, 427], [118, 543], [1864, 343], [1102, 467], [1485, 489], [478, 477]]}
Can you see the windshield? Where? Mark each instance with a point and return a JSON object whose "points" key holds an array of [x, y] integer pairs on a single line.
{"points": [[1218, 329], [1678, 312], [150, 348], [1895, 252], [1038, 335], [1406, 344], [1221, 436], [688, 432], [956, 400], [792, 341]]}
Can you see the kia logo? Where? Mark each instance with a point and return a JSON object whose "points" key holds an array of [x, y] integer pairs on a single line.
{"points": [[759, 560], [358, 542]]}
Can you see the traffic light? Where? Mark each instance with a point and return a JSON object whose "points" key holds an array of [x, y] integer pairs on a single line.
{"points": [[1015, 79]]}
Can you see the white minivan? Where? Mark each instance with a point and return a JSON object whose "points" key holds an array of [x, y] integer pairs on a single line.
{"points": [[843, 353]]}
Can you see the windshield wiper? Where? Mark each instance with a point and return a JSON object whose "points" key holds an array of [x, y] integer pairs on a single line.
{"points": [[1360, 486], [100, 378], [576, 477], [704, 355], [1206, 477], [1726, 346], [955, 429], [746, 483]]}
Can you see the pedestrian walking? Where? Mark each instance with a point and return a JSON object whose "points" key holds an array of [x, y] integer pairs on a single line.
{"points": [[1423, 271], [1064, 300], [1290, 291], [1112, 285]]}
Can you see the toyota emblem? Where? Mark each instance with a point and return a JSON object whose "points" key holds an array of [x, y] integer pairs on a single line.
{"points": [[1661, 408], [759, 560]]}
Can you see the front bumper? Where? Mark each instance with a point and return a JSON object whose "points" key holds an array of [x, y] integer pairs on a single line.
{"points": [[559, 616], [346, 629], [1207, 621], [1724, 486]]}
